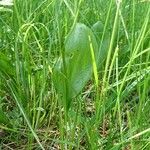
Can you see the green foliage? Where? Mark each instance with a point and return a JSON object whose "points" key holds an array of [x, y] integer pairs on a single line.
{"points": [[72, 73], [3, 118], [103, 40], [36, 90], [5, 65], [74, 68]]}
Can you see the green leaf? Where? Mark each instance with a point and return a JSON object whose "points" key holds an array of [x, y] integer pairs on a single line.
{"points": [[70, 79], [103, 42], [98, 28]]}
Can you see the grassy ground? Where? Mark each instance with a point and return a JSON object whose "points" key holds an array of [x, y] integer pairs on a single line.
{"points": [[111, 111]]}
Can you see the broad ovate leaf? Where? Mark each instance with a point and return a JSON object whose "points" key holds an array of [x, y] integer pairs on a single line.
{"points": [[71, 76]]}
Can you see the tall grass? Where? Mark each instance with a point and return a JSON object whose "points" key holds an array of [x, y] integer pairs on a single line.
{"points": [[111, 111]]}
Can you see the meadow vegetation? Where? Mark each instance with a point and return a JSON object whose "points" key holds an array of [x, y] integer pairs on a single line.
{"points": [[75, 75]]}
